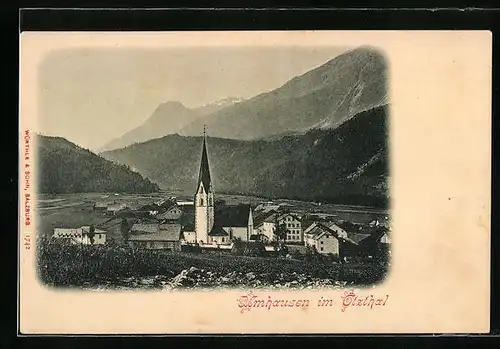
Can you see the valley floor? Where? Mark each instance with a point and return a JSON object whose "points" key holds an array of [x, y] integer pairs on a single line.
{"points": [[117, 266]]}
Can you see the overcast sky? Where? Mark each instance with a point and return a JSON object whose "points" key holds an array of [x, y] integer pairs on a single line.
{"points": [[93, 96]]}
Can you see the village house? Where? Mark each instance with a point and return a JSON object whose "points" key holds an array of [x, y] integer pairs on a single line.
{"points": [[265, 224], [267, 207], [144, 228], [173, 213], [100, 206], [260, 238], [293, 225], [330, 241], [85, 235], [165, 237], [374, 244], [150, 209], [114, 209]]}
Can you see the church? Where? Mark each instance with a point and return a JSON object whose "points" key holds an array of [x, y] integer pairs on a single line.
{"points": [[221, 225]]}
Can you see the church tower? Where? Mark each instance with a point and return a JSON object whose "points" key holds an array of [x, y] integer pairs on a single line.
{"points": [[204, 199]]}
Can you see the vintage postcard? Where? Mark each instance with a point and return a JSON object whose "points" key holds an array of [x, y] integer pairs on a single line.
{"points": [[254, 182]]}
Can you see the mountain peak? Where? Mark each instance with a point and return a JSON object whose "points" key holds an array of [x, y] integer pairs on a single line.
{"points": [[226, 101], [327, 95]]}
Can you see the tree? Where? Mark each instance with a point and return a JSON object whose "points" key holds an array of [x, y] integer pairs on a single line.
{"points": [[124, 229], [92, 234]]}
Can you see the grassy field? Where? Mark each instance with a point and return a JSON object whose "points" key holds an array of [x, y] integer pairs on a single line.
{"points": [[82, 265], [75, 210]]}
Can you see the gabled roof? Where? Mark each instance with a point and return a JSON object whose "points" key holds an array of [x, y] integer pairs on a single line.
{"points": [[168, 232], [204, 176], [357, 237], [232, 216], [293, 215], [116, 207], [145, 227], [149, 207], [374, 237], [309, 227], [261, 217], [171, 214], [327, 230]]}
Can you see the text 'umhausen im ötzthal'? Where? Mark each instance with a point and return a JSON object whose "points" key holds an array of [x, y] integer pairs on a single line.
{"points": [[348, 300]]}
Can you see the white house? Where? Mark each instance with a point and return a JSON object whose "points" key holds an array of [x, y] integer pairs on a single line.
{"points": [[84, 235], [265, 224], [172, 214], [113, 209], [329, 241], [293, 226]]}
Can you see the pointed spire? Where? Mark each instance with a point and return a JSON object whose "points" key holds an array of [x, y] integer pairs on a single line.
{"points": [[204, 176]]}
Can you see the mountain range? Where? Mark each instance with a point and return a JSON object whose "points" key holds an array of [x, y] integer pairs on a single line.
{"points": [[348, 164], [68, 168], [324, 97], [322, 136], [168, 118]]}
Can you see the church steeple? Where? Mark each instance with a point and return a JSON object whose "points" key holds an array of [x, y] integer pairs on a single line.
{"points": [[204, 198], [204, 176]]}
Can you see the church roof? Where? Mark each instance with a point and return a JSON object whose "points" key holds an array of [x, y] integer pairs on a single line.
{"points": [[218, 231], [204, 176], [232, 216]]}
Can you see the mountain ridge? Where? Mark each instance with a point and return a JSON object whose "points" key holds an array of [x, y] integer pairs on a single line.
{"points": [[69, 168], [347, 164], [325, 97], [167, 118]]}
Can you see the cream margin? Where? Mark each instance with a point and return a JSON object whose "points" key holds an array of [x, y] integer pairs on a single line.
{"points": [[440, 90]]}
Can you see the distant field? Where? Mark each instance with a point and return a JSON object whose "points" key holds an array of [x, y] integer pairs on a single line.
{"points": [[74, 210]]}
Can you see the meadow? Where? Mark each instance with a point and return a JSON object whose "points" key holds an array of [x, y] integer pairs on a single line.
{"points": [[79, 266]]}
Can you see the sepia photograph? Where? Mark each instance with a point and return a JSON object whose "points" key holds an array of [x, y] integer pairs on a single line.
{"points": [[213, 167], [294, 182]]}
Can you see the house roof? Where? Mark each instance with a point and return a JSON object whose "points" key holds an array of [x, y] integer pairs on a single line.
{"points": [[257, 237], [233, 216], [261, 217], [327, 230], [145, 227], [168, 232], [166, 205], [357, 237], [374, 237], [171, 214], [149, 207], [218, 231], [293, 215], [309, 226], [115, 207]]}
